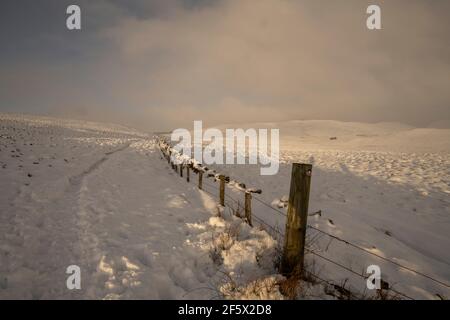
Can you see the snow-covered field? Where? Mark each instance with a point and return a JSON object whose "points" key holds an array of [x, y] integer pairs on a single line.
{"points": [[385, 187], [100, 196]]}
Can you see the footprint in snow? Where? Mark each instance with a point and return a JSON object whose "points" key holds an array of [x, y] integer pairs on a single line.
{"points": [[331, 223]]}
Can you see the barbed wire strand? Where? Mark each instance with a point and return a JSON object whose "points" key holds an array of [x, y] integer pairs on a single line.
{"points": [[353, 271], [380, 257], [361, 248], [270, 206], [260, 220]]}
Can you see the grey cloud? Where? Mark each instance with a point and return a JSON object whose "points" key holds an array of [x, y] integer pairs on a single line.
{"points": [[166, 63]]}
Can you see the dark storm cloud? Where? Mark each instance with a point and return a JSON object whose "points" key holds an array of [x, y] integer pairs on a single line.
{"points": [[165, 63]]}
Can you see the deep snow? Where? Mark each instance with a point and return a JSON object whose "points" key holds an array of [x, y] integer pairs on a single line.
{"points": [[101, 197], [385, 187]]}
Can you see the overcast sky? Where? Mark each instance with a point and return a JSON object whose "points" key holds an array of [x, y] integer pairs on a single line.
{"points": [[164, 63]]}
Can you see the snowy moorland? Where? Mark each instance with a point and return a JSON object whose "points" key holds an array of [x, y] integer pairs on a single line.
{"points": [[101, 197], [384, 187]]}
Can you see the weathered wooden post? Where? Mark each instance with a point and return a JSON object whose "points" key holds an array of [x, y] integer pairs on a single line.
{"points": [[222, 190], [187, 172], [248, 208], [294, 241], [200, 179]]}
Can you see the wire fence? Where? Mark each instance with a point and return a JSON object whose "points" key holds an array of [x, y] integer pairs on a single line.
{"points": [[212, 190], [354, 245]]}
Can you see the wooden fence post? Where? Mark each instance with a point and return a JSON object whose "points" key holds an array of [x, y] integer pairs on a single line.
{"points": [[187, 173], [222, 190], [200, 180], [294, 241], [248, 208]]}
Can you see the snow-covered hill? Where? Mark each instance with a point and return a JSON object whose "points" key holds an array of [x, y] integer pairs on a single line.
{"points": [[355, 136], [100, 197], [383, 186]]}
